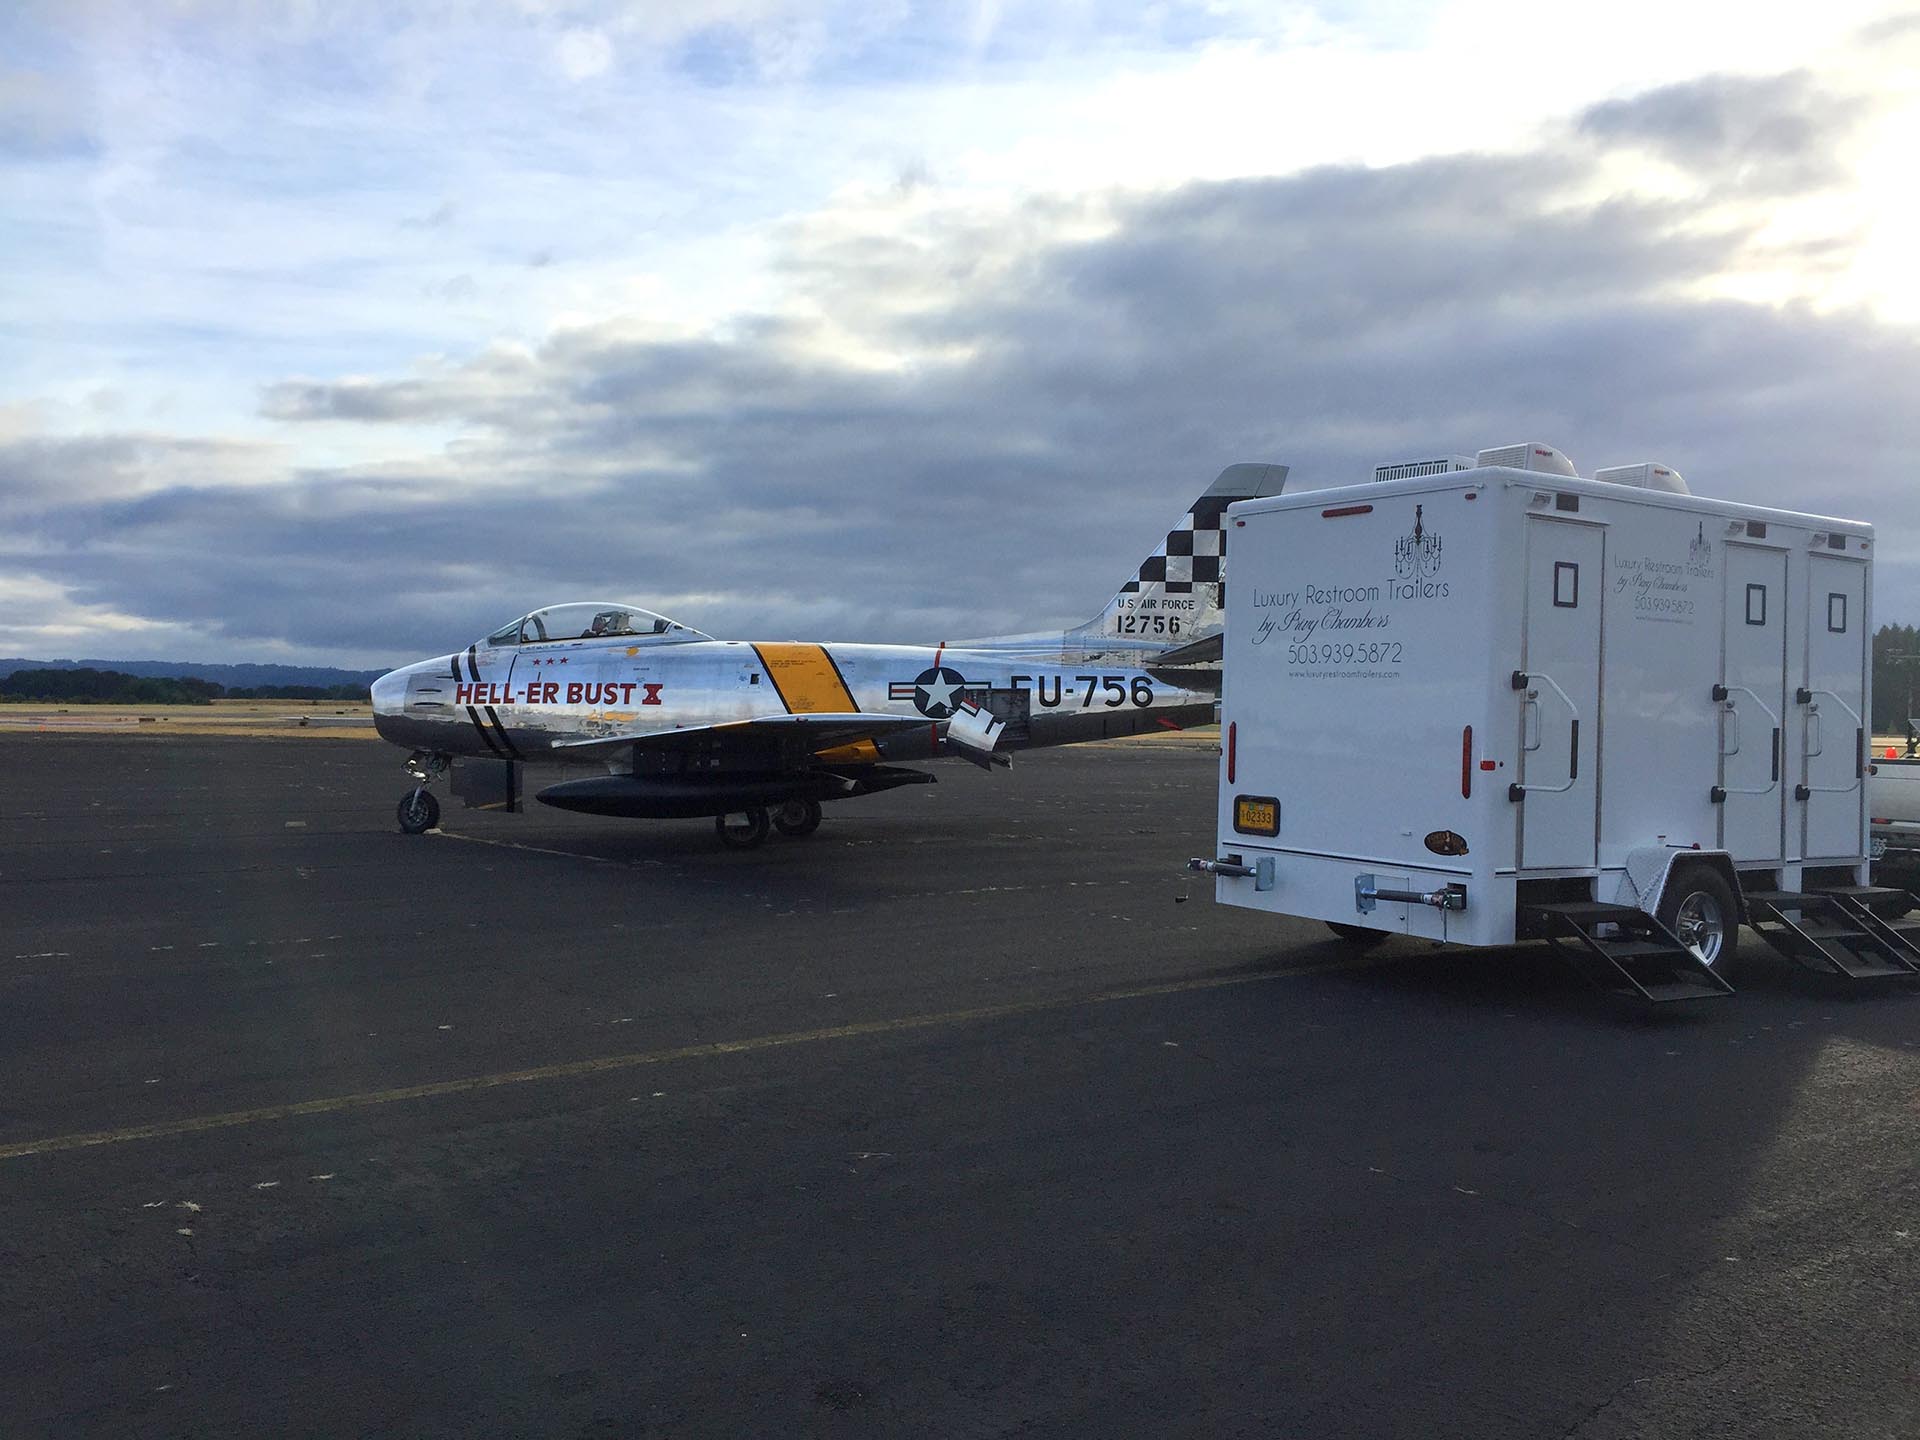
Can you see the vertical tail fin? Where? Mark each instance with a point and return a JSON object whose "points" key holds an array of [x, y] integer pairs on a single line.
{"points": [[1179, 593]]}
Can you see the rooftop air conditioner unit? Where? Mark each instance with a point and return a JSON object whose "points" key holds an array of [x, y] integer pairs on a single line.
{"points": [[1646, 475], [1411, 469], [1529, 456]]}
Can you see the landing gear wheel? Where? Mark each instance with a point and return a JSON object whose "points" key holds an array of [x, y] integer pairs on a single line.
{"points": [[1357, 936], [797, 818], [418, 812], [1699, 907], [742, 829]]}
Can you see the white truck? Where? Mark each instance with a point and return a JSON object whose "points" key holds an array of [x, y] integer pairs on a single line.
{"points": [[1893, 804], [1489, 700]]}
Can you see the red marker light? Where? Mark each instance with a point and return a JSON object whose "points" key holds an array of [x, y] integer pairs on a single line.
{"points": [[1233, 735], [1346, 510], [1466, 763]]}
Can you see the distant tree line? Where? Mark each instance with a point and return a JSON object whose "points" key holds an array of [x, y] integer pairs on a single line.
{"points": [[110, 687]]}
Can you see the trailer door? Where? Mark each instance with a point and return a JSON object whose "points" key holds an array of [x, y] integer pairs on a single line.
{"points": [[1753, 704], [1832, 706], [1559, 700]]}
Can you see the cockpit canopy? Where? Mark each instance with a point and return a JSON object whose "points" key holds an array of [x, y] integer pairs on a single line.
{"points": [[592, 620]]}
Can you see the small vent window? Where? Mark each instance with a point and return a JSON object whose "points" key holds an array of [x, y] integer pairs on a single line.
{"points": [[1836, 542], [1566, 584], [1757, 529], [1566, 502], [1837, 614], [1756, 604]]}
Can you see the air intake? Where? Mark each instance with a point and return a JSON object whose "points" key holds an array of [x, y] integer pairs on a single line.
{"points": [[1530, 456]]}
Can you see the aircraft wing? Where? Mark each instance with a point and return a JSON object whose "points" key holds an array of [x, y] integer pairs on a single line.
{"points": [[806, 733]]}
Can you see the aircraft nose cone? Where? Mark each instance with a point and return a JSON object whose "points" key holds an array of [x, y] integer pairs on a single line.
{"points": [[390, 693], [389, 701]]}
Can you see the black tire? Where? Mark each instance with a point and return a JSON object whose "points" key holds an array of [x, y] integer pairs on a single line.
{"points": [[418, 812], [1699, 907], [1357, 936], [797, 818], [747, 835]]}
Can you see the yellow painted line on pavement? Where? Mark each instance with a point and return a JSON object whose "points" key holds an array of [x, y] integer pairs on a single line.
{"points": [[367, 1099]]}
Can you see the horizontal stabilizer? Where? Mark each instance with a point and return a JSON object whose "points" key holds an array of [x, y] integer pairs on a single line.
{"points": [[1200, 652]]}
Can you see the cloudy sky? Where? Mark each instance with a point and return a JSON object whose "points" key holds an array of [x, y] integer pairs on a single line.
{"points": [[339, 333]]}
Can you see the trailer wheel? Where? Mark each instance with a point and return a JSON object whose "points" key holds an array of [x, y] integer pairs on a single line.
{"points": [[1699, 907], [1358, 936]]}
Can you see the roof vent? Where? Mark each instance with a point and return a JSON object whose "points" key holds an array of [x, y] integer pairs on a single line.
{"points": [[1647, 475], [1531, 455], [1411, 469]]}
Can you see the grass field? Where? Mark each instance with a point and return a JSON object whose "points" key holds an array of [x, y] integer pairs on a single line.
{"points": [[335, 718]]}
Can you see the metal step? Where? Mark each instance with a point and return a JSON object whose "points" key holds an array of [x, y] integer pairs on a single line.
{"points": [[1857, 902], [1639, 960], [1588, 910], [1828, 930], [1868, 893], [1832, 932]]}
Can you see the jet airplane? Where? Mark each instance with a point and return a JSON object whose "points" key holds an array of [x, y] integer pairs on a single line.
{"points": [[759, 734]]}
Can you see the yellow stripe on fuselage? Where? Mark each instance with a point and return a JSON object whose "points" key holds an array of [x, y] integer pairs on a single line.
{"points": [[860, 752], [806, 679]]}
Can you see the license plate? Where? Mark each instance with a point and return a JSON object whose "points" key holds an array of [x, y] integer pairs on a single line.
{"points": [[1256, 814]]}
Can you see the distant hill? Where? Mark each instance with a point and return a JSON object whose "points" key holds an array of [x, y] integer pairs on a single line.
{"points": [[231, 677]]}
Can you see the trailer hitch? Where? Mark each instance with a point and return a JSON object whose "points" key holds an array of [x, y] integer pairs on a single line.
{"points": [[1367, 892], [1261, 872]]}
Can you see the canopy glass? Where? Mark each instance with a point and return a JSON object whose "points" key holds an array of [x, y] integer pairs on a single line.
{"points": [[591, 620]]}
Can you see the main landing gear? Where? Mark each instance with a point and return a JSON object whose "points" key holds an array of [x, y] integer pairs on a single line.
{"points": [[747, 829], [797, 818], [418, 811]]}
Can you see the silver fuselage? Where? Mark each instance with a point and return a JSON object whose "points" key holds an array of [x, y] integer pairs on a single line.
{"points": [[521, 701]]}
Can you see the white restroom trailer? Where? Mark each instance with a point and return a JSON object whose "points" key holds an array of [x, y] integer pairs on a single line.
{"points": [[1506, 702]]}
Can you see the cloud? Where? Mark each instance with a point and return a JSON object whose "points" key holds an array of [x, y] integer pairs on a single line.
{"points": [[970, 420], [1759, 135], [583, 54], [41, 118], [947, 411]]}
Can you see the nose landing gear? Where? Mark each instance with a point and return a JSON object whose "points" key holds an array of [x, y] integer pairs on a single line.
{"points": [[418, 811]]}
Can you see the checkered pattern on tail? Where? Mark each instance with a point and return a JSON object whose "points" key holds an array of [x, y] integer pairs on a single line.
{"points": [[1192, 552], [1179, 592]]}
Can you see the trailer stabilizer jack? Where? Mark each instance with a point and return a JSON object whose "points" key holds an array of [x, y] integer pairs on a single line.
{"points": [[1367, 892], [1261, 872]]}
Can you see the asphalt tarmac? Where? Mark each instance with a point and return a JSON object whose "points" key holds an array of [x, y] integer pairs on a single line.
{"points": [[948, 1121]]}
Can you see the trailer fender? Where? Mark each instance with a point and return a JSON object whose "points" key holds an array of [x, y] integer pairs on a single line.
{"points": [[1648, 867]]}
